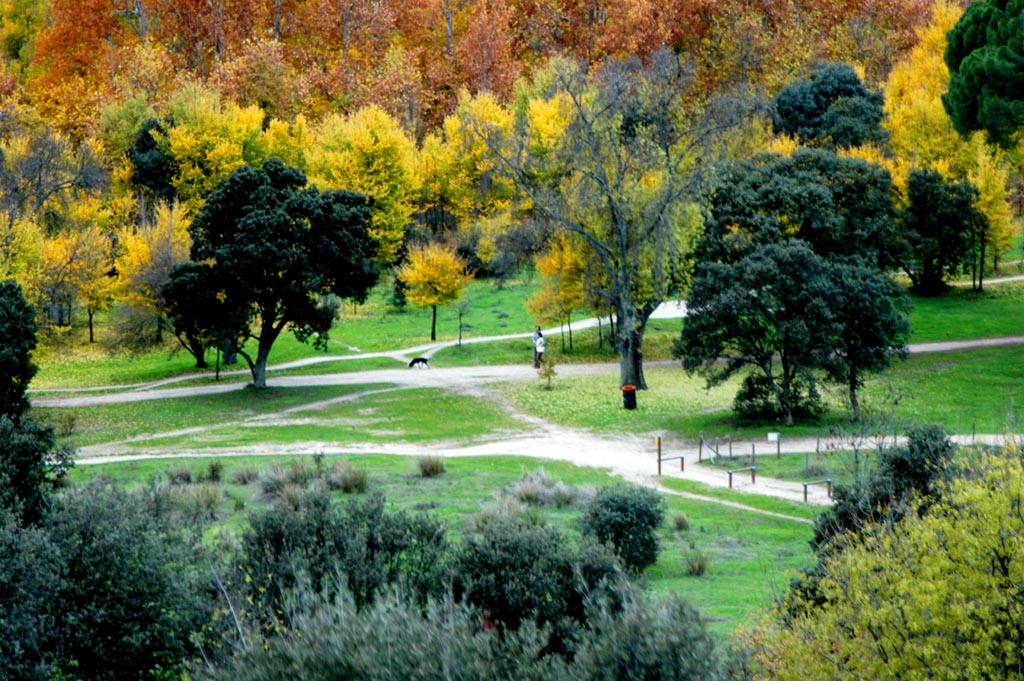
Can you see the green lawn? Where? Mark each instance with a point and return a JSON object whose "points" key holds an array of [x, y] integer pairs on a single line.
{"points": [[962, 314]]}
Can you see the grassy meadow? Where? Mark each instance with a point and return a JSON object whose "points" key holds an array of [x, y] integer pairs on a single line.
{"points": [[748, 556]]}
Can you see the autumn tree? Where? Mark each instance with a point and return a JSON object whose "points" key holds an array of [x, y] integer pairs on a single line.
{"points": [[923, 136], [931, 596], [921, 132], [206, 140], [367, 152], [271, 249], [561, 294], [434, 275], [622, 178], [40, 168], [147, 254]]}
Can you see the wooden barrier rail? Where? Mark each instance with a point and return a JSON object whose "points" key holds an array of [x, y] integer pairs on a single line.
{"points": [[827, 481], [682, 459], [753, 474]]}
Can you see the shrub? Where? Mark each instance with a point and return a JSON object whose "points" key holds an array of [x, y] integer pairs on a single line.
{"points": [[628, 518], [30, 575], [430, 466], [347, 478], [681, 522], [697, 563], [394, 638], [179, 475], [319, 540], [301, 473], [198, 503], [132, 588], [31, 464], [245, 475], [540, 489], [273, 481], [659, 638], [515, 571], [214, 471]]}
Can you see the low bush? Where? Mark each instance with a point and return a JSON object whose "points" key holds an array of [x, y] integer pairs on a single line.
{"points": [[680, 522], [430, 466], [319, 540], [347, 478], [215, 471], [245, 475], [627, 517], [697, 563], [179, 475], [540, 489], [515, 571]]}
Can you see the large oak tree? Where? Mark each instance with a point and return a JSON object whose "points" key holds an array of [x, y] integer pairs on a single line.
{"points": [[272, 249]]}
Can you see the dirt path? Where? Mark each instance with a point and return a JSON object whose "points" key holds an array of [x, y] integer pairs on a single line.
{"points": [[631, 457]]}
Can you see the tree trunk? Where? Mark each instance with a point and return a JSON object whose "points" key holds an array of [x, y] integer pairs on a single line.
{"points": [[854, 402], [629, 342], [981, 268], [259, 367], [89, 311], [433, 324]]}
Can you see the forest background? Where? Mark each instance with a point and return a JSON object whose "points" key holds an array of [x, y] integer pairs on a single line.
{"points": [[120, 119]]}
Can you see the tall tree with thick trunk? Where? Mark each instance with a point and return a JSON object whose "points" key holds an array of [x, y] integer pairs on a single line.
{"points": [[616, 157], [273, 249]]}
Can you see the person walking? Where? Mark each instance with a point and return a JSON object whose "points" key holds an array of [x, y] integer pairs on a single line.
{"points": [[538, 347], [536, 335]]}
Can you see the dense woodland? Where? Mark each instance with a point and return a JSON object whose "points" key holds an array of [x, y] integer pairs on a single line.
{"points": [[223, 172]]}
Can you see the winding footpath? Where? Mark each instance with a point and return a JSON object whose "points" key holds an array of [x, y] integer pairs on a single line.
{"points": [[631, 457]]}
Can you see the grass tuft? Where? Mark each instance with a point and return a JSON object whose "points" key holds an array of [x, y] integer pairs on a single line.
{"points": [[430, 466]]}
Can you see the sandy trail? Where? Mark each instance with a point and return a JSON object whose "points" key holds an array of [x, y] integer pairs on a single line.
{"points": [[632, 457]]}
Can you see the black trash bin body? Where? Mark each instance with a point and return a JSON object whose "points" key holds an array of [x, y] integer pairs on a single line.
{"points": [[629, 396]]}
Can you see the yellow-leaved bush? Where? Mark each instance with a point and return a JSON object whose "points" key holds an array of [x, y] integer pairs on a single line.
{"points": [[936, 595]]}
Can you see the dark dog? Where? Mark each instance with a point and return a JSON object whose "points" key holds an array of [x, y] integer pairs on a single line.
{"points": [[419, 363]]}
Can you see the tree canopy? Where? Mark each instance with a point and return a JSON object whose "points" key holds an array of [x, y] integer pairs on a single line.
{"points": [[435, 275], [769, 310], [17, 341], [938, 225], [839, 206], [932, 595], [986, 63], [612, 157], [832, 108], [271, 249]]}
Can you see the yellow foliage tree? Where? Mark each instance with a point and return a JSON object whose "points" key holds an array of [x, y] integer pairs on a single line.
{"points": [[920, 128], [435, 275], [923, 134], [76, 269], [935, 596], [990, 177], [21, 247], [148, 253], [477, 167], [369, 153], [208, 140], [562, 267]]}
